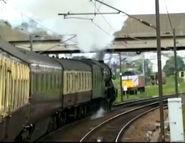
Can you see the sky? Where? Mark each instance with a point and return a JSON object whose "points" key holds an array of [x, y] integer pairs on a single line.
{"points": [[130, 6], [47, 10]]}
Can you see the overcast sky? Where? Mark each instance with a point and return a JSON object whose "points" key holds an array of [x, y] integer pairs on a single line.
{"points": [[130, 6]]}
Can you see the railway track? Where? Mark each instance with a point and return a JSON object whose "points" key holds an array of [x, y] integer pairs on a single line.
{"points": [[77, 130], [112, 129], [129, 123]]}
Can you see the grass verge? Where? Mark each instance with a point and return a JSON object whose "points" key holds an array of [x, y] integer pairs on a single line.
{"points": [[150, 90]]}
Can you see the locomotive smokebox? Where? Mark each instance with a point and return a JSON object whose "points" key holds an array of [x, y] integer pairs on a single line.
{"points": [[101, 61]]}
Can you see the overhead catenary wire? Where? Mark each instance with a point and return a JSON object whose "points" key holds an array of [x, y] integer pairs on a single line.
{"points": [[98, 9], [168, 15], [137, 19]]}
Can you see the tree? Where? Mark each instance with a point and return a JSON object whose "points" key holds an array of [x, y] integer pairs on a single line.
{"points": [[147, 64], [169, 67]]}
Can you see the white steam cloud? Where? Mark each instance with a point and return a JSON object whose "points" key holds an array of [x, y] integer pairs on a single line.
{"points": [[89, 36], [100, 113]]}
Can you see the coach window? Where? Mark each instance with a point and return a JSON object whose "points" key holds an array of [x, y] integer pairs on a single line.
{"points": [[95, 82], [88, 81], [84, 81], [69, 82], [66, 82], [67, 79], [49, 81], [52, 75], [49, 78], [72, 81], [37, 81], [54, 80], [56, 85], [96, 79], [42, 82], [59, 80], [81, 79], [88, 78], [78, 83], [45, 81]]}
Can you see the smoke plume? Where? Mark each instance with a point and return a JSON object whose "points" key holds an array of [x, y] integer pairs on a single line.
{"points": [[89, 36]]}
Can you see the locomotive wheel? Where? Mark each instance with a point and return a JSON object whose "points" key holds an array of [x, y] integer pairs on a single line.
{"points": [[90, 109], [49, 129], [85, 111], [80, 112], [75, 113], [51, 125], [62, 118]]}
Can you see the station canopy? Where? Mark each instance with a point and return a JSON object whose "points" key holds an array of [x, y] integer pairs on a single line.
{"points": [[134, 36]]}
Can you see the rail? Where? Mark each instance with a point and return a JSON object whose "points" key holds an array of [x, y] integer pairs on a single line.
{"points": [[125, 127], [119, 108], [132, 112], [146, 99]]}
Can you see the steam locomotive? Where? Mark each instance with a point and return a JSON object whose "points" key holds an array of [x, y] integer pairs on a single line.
{"points": [[39, 94]]}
